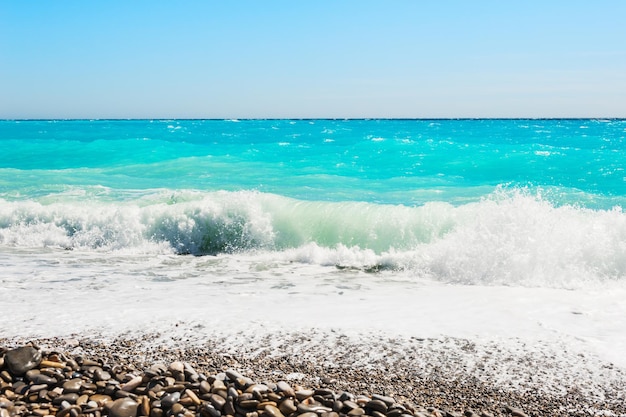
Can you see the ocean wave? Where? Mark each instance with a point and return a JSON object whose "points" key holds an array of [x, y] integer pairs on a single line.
{"points": [[511, 237]]}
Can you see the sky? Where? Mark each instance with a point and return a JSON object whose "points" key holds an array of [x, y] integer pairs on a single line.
{"points": [[301, 59]]}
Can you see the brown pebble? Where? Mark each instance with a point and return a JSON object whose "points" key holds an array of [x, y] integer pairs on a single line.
{"points": [[285, 388], [123, 407], [261, 388], [144, 409], [68, 411], [396, 412], [37, 388], [233, 375], [376, 405], [72, 385], [229, 407], [101, 375], [52, 364], [217, 401], [194, 398], [72, 364], [287, 407], [70, 398], [218, 385], [303, 394], [176, 367], [6, 376], [348, 405], [174, 388], [177, 408], [132, 384], [205, 387], [88, 362], [389, 401], [262, 404], [272, 411], [100, 399], [249, 403], [177, 371]]}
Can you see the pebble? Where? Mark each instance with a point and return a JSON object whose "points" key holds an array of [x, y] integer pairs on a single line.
{"points": [[101, 375], [71, 398], [194, 398], [303, 394], [170, 399], [287, 406], [217, 401], [100, 399], [272, 411], [123, 407], [376, 405], [205, 387], [39, 384], [132, 384], [177, 408], [52, 364], [73, 385], [516, 412], [355, 412], [389, 401], [145, 406], [41, 379], [210, 411], [285, 388], [22, 359], [177, 370]]}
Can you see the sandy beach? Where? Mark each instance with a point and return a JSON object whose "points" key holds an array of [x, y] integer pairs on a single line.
{"points": [[448, 377]]}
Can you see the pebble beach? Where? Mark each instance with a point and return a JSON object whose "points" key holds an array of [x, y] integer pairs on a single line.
{"points": [[290, 375]]}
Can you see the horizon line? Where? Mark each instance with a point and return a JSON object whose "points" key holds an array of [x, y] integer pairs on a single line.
{"points": [[302, 118]]}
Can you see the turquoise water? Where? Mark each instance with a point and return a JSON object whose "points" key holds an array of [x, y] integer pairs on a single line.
{"points": [[444, 198], [408, 162]]}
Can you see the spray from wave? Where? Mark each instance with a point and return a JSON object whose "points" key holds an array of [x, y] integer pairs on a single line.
{"points": [[512, 237]]}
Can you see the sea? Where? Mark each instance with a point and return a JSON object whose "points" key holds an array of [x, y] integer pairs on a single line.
{"points": [[506, 230]]}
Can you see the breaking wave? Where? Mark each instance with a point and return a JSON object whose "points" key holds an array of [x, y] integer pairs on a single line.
{"points": [[511, 237]]}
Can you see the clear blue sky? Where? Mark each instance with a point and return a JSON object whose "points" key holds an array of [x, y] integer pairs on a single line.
{"points": [[223, 59]]}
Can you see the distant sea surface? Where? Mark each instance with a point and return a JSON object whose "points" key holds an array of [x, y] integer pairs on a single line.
{"points": [[284, 208]]}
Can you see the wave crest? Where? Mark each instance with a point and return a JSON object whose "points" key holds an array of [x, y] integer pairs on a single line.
{"points": [[513, 237]]}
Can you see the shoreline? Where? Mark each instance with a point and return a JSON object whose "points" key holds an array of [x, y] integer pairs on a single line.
{"points": [[455, 376]]}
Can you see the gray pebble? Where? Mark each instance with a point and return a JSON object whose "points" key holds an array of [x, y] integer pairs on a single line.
{"points": [[170, 399], [22, 359]]}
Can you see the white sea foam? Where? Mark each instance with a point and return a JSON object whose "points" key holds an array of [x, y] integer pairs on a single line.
{"points": [[59, 293], [512, 238]]}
